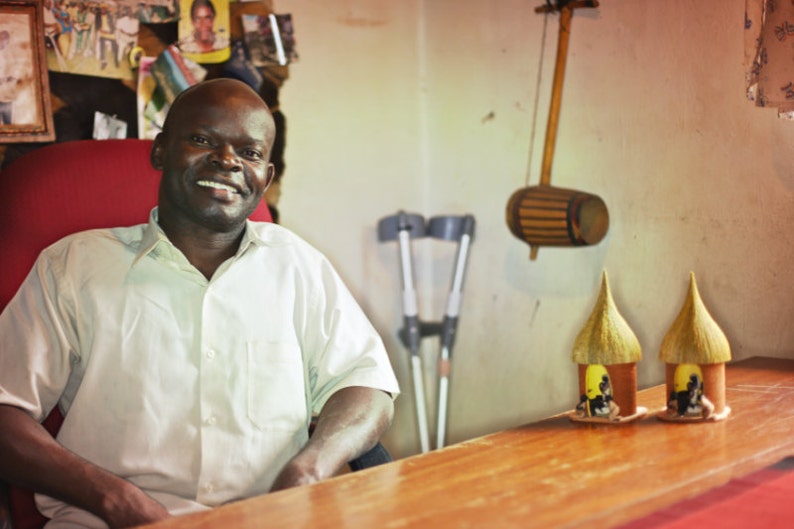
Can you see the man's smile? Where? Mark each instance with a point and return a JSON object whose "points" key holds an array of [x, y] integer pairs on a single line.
{"points": [[218, 185]]}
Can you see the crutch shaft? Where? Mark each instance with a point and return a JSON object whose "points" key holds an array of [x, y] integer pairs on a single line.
{"points": [[419, 398], [410, 333], [460, 264], [449, 326], [406, 266], [443, 384]]}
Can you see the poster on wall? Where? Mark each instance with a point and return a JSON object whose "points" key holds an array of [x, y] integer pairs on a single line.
{"points": [[158, 11], [270, 39], [91, 37], [204, 30], [174, 73], [25, 107], [151, 104]]}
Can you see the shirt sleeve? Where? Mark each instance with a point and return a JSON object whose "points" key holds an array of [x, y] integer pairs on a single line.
{"points": [[37, 341], [347, 350]]}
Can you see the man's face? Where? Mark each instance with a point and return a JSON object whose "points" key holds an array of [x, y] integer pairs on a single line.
{"points": [[203, 21], [214, 156]]}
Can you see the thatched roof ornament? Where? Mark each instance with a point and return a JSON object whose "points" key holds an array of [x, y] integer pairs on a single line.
{"points": [[606, 337], [694, 337]]}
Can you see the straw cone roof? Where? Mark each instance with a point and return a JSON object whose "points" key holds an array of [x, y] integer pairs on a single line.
{"points": [[694, 337], [606, 337]]}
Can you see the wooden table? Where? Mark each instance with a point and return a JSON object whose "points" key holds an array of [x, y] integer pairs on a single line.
{"points": [[553, 473]]}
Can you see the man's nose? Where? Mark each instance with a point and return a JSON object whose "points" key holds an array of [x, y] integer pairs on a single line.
{"points": [[226, 159]]}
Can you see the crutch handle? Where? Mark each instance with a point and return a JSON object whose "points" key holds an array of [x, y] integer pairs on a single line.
{"points": [[389, 228], [414, 330], [451, 227], [448, 329], [410, 334]]}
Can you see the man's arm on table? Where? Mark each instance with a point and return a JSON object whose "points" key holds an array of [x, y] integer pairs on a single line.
{"points": [[34, 460], [351, 423]]}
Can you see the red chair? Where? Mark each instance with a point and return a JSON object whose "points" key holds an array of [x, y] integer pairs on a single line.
{"points": [[61, 189]]}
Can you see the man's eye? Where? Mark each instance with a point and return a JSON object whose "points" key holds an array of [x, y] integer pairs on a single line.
{"points": [[252, 154], [200, 139]]}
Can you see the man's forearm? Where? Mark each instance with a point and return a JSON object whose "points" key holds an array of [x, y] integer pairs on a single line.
{"points": [[351, 422], [32, 459]]}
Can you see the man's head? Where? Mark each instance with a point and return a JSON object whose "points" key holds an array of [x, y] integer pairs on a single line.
{"points": [[214, 153], [202, 13]]}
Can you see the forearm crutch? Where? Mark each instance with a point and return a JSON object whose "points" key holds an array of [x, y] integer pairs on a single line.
{"points": [[403, 227], [460, 229]]}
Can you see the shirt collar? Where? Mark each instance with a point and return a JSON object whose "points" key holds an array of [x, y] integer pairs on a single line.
{"points": [[152, 237], [251, 236], [154, 240]]}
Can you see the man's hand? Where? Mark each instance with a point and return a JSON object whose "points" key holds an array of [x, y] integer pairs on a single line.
{"points": [[130, 508], [350, 423], [299, 471], [34, 460]]}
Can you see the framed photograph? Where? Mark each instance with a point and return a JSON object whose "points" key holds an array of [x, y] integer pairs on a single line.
{"points": [[25, 105]]}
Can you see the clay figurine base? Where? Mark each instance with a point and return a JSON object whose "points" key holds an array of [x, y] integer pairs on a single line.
{"points": [[639, 414], [666, 416]]}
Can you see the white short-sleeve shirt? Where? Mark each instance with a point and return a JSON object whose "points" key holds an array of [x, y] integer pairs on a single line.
{"points": [[198, 391]]}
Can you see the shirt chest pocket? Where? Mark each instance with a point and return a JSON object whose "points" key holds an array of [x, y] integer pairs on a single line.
{"points": [[276, 387]]}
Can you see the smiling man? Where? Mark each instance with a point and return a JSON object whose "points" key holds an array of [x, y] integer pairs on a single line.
{"points": [[215, 169], [188, 354]]}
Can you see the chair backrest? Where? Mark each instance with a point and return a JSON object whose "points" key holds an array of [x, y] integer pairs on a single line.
{"points": [[72, 186], [61, 189]]}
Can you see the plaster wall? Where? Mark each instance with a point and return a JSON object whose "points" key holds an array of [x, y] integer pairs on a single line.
{"points": [[440, 106]]}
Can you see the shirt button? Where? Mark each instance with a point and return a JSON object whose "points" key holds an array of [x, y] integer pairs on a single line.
{"points": [[210, 354], [208, 488], [211, 420]]}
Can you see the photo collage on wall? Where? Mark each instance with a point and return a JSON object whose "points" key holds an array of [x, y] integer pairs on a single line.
{"points": [[100, 38]]}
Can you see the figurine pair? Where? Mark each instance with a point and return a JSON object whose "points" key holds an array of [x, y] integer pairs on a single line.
{"points": [[694, 350]]}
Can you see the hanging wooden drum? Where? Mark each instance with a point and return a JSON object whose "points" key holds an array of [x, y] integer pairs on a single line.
{"points": [[544, 215]]}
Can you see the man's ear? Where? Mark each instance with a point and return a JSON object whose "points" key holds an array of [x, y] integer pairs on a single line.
{"points": [[271, 173], [156, 154]]}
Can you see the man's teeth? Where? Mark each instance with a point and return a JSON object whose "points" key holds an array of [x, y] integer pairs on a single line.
{"points": [[216, 185]]}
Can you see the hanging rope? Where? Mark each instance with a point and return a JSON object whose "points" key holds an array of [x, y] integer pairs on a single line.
{"points": [[537, 96]]}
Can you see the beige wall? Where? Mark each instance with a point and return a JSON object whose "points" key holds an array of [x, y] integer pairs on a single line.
{"points": [[428, 105]]}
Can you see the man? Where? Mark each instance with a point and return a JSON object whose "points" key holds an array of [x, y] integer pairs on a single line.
{"points": [[52, 28], [9, 81], [189, 353], [105, 23], [83, 26], [61, 12], [126, 32]]}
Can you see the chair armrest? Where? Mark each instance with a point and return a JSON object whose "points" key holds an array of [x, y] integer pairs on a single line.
{"points": [[5, 513], [378, 455]]}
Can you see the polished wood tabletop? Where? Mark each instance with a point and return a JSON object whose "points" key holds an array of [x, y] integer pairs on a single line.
{"points": [[553, 473]]}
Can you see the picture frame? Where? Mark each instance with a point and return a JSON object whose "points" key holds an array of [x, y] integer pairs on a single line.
{"points": [[25, 101]]}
